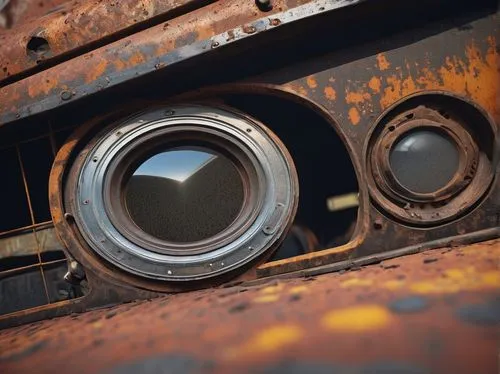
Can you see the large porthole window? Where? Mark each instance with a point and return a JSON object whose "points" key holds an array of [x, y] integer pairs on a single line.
{"points": [[184, 193], [425, 164]]}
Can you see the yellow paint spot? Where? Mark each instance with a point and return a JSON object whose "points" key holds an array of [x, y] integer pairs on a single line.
{"points": [[491, 278], [330, 93], [357, 319], [375, 84], [311, 82], [266, 299], [354, 116], [357, 97], [457, 280], [268, 340], [272, 289], [382, 62], [393, 284], [353, 282], [97, 325], [298, 289]]}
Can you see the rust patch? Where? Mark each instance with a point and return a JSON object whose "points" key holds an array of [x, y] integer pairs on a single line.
{"points": [[382, 62], [96, 71], [475, 76], [375, 84], [354, 116], [311, 82], [330, 93], [357, 97], [204, 326], [43, 87]]}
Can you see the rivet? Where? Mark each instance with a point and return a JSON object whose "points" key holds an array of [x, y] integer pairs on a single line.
{"points": [[215, 44], [86, 202], [169, 112], [169, 272], [66, 95], [95, 159]]}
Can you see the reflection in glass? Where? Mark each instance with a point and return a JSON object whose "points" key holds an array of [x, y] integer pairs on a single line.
{"points": [[185, 195], [424, 161]]}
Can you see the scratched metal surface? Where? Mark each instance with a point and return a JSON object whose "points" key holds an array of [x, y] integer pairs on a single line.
{"points": [[435, 312]]}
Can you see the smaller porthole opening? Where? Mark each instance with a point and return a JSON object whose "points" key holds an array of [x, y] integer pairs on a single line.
{"points": [[424, 160], [436, 165]]}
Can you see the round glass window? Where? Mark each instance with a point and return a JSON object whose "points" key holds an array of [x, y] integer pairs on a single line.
{"points": [[424, 161], [185, 194]]}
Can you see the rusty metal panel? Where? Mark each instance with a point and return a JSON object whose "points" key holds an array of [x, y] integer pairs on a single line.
{"points": [[159, 47], [76, 25], [16, 12], [433, 312]]}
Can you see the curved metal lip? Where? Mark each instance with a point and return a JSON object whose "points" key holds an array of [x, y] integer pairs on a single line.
{"points": [[467, 150], [278, 207]]}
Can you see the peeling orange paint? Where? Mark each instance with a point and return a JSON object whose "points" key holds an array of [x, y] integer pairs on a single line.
{"points": [[354, 116], [382, 62], [357, 97], [96, 71], [311, 82], [375, 84], [475, 76], [330, 93]]}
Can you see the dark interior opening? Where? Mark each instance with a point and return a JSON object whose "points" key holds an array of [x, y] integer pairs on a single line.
{"points": [[323, 165]]}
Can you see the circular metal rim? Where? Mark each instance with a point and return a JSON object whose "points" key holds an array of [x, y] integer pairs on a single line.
{"points": [[116, 207], [274, 218], [441, 209], [388, 182]]}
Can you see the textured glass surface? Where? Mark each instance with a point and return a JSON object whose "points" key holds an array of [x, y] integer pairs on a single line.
{"points": [[424, 161], [185, 195]]}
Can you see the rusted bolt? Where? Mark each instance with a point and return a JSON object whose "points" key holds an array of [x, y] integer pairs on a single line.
{"points": [[377, 224], [264, 5], [275, 22], [249, 29], [66, 95]]}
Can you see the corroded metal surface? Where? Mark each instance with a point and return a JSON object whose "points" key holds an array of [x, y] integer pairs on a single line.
{"points": [[16, 12], [77, 24], [158, 47], [433, 312]]}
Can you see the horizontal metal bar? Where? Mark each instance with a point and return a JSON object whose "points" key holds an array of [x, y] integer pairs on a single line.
{"points": [[27, 267], [76, 27], [157, 48]]}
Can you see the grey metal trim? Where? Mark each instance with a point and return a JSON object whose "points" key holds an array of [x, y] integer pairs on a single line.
{"points": [[277, 210]]}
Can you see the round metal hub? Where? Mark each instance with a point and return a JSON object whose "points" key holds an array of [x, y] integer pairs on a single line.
{"points": [[184, 193]]}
